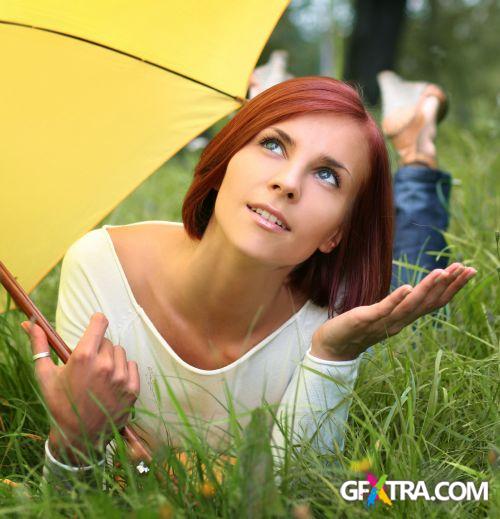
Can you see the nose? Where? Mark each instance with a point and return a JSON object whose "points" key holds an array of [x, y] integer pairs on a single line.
{"points": [[287, 183]]}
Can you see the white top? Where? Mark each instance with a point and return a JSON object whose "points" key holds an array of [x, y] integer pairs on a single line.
{"points": [[93, 280]]}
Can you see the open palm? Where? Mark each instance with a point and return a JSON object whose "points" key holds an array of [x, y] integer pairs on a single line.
{"points": [[346, 336]]}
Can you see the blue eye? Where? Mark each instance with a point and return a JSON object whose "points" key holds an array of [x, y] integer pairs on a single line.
{"points": [[329, 176], [272, 145]]}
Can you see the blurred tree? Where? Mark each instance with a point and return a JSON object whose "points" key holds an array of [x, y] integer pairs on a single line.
{"points": [[372, 47], [450, 42], [455, 43], [302, 51]]}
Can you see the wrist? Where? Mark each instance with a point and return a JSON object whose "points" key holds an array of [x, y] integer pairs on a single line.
{"points": [[66, 450], [52, 464], [319, 351]]}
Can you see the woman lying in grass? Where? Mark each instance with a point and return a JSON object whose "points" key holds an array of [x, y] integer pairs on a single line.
{"points": [[283, 261]]}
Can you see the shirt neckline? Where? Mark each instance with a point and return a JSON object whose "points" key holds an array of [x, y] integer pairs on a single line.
{"points": [[141, 312]]}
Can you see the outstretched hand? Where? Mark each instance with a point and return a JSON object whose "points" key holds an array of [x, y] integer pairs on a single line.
{"points": [[346, 336], [97, 386]]}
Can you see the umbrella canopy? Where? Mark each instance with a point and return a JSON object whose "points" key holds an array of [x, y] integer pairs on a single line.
{"points": [[96, 95]]}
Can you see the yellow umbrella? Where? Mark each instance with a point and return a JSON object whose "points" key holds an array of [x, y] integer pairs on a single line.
{"points": [[95, 95]]}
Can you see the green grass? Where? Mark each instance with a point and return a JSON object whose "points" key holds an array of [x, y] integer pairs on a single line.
{"points": [[425, 404]]}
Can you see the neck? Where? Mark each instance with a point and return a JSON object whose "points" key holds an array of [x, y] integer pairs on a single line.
{"points": [[231, 294]]}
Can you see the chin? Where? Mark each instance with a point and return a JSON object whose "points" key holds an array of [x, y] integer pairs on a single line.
{"points": [[259, 244], [260, 248]]}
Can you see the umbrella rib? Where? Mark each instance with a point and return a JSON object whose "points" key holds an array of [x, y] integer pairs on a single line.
{"points": [[133, 56]]}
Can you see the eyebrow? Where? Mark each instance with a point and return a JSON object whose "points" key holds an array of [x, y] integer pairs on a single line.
{"points": [[325, 159]]}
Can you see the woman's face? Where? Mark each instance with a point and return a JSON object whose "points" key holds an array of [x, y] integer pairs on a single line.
{"points": [[305, 171]]}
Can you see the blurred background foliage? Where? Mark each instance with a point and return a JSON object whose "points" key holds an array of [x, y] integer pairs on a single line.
{"points": [[427, 405], [450, 42]]}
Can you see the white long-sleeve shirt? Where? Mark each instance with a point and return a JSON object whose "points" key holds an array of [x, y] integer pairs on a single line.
{"points": [[279, 370]]}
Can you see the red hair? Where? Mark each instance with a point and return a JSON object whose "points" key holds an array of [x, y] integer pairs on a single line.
{"points": [[358, 271]]}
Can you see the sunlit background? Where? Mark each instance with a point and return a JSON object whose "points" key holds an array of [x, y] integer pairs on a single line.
{"points": [[450, 42], [426, 402]]}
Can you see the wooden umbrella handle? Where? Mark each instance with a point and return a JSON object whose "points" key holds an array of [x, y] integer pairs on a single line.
{"points": [[137, 449]]}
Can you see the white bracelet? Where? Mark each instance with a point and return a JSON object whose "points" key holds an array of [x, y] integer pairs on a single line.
{"points": [[71, 468]]}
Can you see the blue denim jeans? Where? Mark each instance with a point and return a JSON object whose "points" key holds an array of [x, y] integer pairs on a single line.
{"points": [[421, 199]]}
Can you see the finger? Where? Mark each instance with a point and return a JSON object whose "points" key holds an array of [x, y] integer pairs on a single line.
{"points": [[457, 272], [453, 267], [409, 308], [103, 364], [427, 294], [120, 374], [454, 270], [456, 285], [431, 301], [39, 344], [134, 381], [93, 336], [106, 351], [388, 304]]}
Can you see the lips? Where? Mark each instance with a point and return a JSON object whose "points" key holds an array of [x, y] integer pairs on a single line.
{"points": [[270, 215]]}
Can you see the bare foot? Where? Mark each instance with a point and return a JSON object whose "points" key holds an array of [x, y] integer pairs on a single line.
{"points": [[411, 111]]}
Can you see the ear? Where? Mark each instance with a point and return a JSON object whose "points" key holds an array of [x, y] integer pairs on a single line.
{"points": [[327, 246]]}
